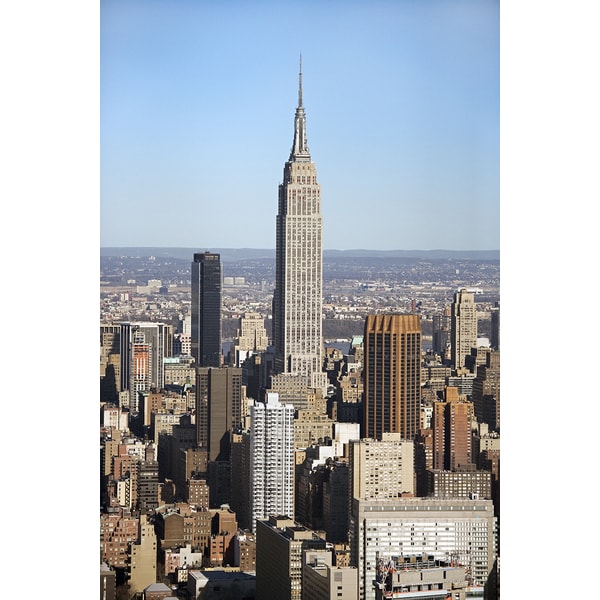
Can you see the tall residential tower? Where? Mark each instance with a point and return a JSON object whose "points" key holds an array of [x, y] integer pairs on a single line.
{"points": [[298, 298]]}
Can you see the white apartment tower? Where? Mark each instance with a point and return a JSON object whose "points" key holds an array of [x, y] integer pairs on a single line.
{"points": [[463, 327], [298, 298], [271, 459]]}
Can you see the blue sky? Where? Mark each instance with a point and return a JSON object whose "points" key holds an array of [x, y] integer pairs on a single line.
{"points": [[197, 102]]}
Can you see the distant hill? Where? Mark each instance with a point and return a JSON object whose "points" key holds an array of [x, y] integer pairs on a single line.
{"points": [[237, 254]]}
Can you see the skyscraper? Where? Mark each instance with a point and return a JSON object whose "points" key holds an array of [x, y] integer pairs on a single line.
{"points": [[452, 438], [206, 309], [463, 327], [392, 375], [271, 459], [298, 298], [143, 348], [218, 408]]}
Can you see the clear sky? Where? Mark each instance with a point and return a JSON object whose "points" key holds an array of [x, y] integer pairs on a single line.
{"points": [[197, 102]]}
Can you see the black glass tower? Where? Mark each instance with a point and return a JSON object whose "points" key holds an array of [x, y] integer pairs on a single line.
{"points": [[206, 309]]}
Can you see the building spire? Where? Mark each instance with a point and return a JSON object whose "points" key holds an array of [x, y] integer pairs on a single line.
{"points": [[300, 150], [300, 84]]}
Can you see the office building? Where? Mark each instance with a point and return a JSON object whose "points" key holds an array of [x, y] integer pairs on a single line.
{"points": [[143, 349], [452, 423], [280, 544], [206, 309], [335, 501], [271, 459], [298, 297], [461, 530], [218, 408], [463, 327], [392, 375]]}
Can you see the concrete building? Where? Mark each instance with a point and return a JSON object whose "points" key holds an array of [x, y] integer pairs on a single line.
{"points": [[381, 468], [312, 427], [280, 543], [298, 298], [463, 327], [206, 309], [158, 591], [392, 375], [448, 529], [420, 577], [143, 558], [251, 337], [214, 584], [271, 459], [179, 369], [296, 390], [321, 580]]}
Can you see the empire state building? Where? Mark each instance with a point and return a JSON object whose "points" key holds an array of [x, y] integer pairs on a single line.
{"points": [[298, 298]]}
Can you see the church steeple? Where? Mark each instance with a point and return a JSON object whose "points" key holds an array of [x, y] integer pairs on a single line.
{"points": [[300, 151]]}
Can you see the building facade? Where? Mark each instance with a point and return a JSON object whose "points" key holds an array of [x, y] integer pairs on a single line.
{"points": [[298, 297], [280, 544], [463, 327], [271, 459], [251, 337], [206, 309], [392, 375], [458, 530], [143, 348], [452, 431], [218, 408], [381, 468]]}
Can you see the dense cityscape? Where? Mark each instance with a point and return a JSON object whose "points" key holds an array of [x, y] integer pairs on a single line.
{"points": [[299, 424]]}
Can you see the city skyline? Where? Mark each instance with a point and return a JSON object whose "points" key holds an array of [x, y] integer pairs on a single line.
{"points": [[405, 93]]}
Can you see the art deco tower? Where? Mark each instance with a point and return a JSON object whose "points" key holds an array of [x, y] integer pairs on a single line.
{"points": [[298, 298], [463, 332]]}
